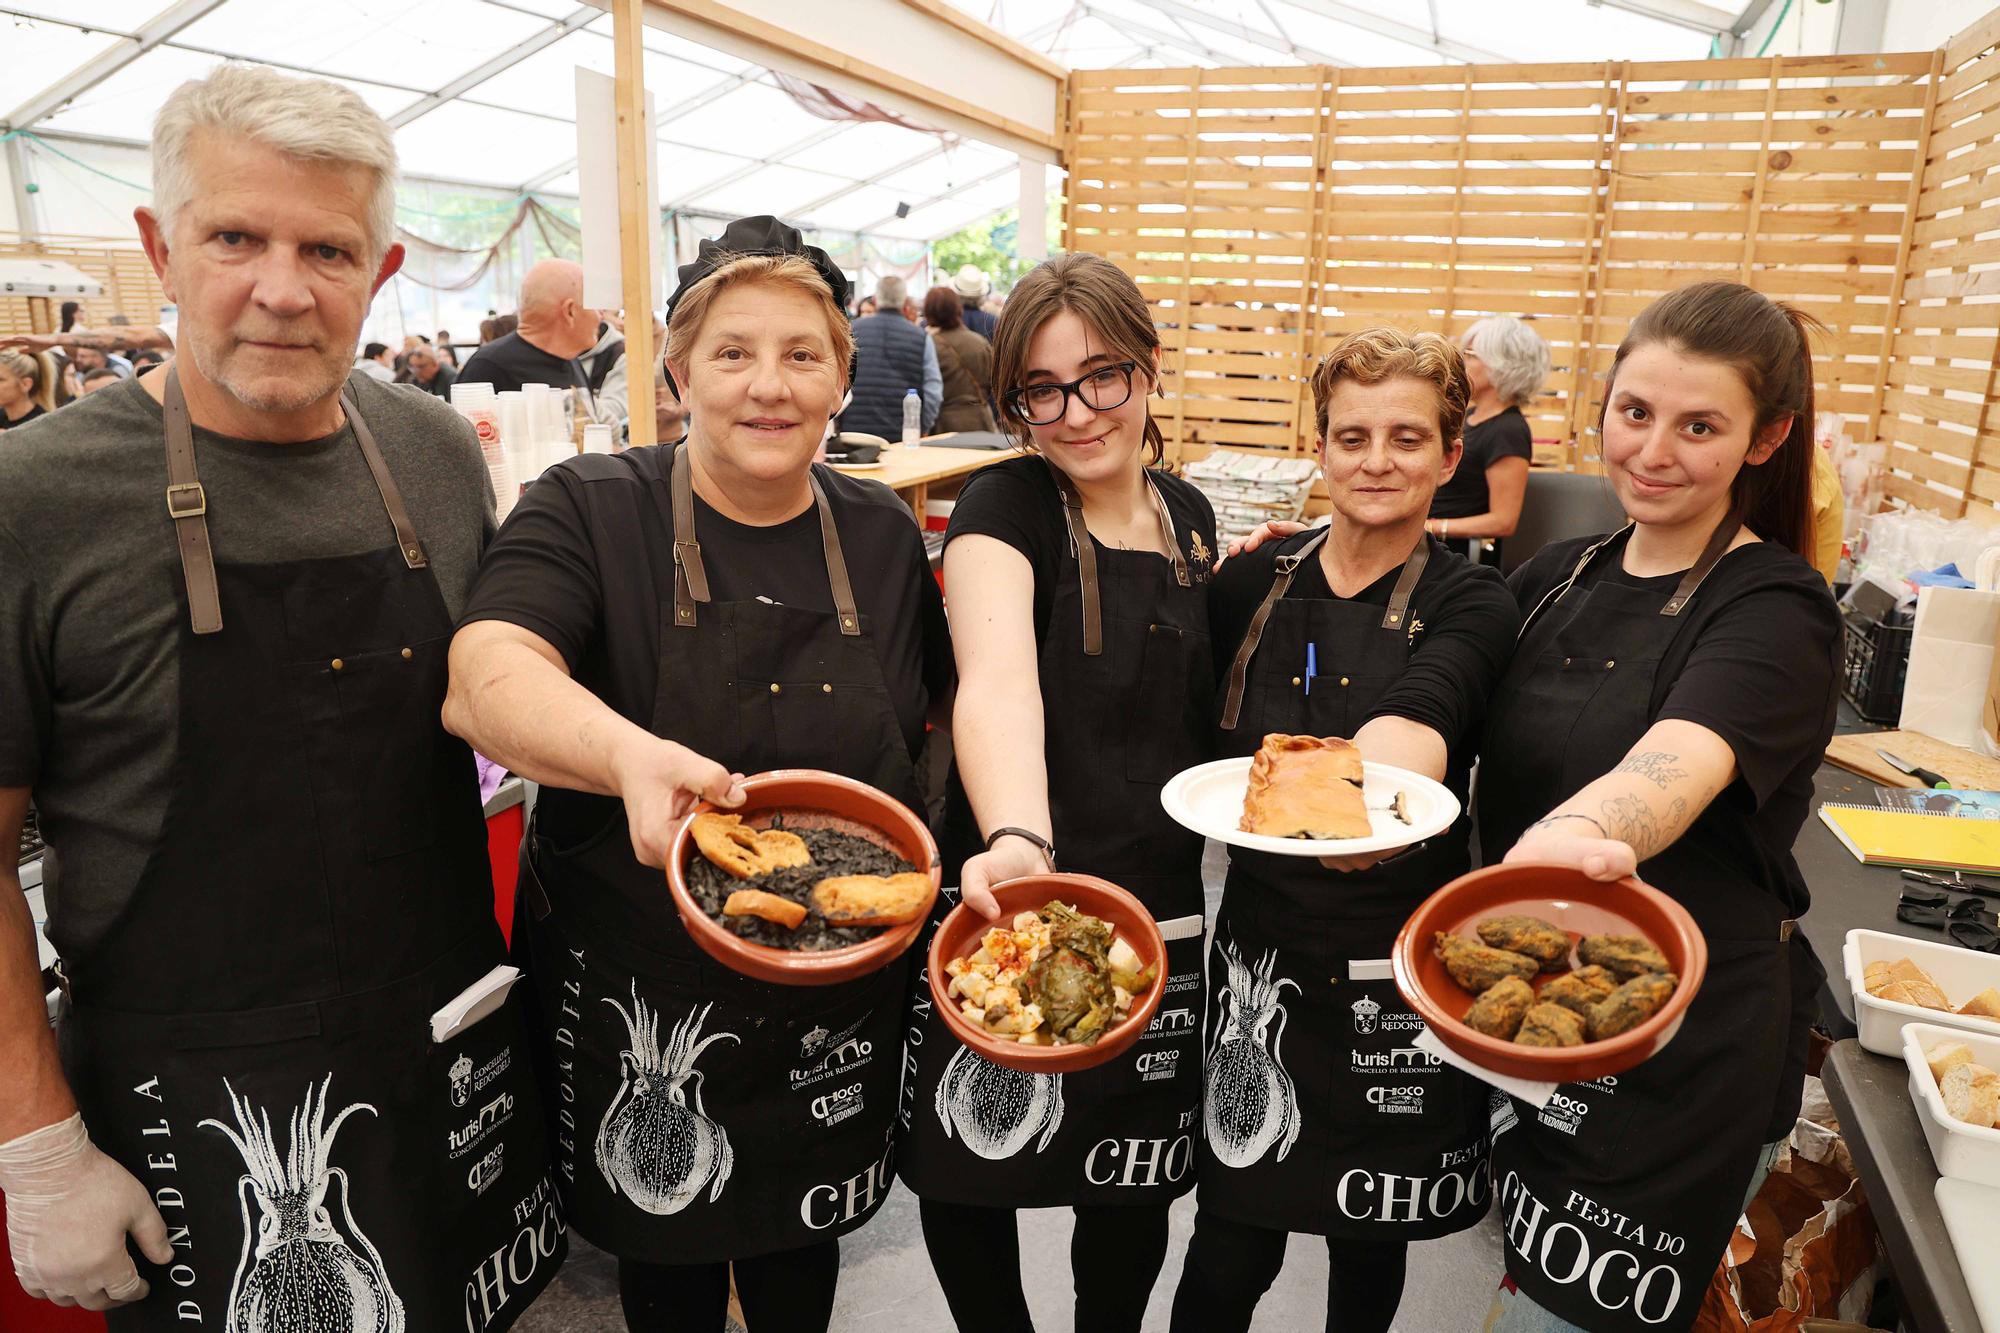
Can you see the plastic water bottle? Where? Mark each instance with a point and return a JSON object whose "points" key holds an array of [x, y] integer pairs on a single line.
{"points": [[913, 419]]}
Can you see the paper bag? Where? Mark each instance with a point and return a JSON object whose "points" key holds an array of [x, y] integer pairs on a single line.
{"points": [[1805, 1249], [1951, 663]]}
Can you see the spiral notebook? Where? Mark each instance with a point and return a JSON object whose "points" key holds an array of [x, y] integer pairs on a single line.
{"points": [[1914, 838]]}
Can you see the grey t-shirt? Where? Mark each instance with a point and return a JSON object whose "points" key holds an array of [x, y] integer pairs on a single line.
{"points": [[90, 626]]}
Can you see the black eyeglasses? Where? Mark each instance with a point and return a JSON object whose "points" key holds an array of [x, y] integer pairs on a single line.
{"points": [[1045, 404]]}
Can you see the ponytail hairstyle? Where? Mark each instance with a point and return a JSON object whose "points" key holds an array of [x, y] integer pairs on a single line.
{"points": [[38, 370], [1767, 343], [1100, 294]]}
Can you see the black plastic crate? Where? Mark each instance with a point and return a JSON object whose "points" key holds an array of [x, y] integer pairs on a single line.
{"points": [[1876, 658]]}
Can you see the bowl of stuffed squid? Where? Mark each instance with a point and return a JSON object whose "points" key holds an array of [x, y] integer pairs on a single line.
{"points": [[1067, 977], [1540, 972]]}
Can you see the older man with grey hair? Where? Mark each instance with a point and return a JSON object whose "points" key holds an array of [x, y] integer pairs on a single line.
{"points": [[289, 1072], [892, 357]]}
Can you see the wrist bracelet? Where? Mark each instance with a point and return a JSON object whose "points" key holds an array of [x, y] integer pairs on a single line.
{"points": [[1048, 849], [1550, 819]]}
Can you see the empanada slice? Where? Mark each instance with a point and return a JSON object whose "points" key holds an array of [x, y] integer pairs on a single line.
{"points": [[1305, 787], [872, 900]]}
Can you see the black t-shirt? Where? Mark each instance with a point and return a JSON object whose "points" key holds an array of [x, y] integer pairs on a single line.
{"points": [[1467, 638], [585, 562], [1757, 666], [511, 361], [1017, 503], [34, 411], [1503, 435]]}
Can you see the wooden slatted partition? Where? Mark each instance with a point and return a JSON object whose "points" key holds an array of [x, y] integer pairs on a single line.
{"points": [[130, 289], [1266, 212], [1936, 421]]}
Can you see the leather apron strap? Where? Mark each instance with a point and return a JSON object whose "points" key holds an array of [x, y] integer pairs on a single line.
{"points": [[1287, 568], [691, 578], [1718, 546], [1085, 551], [187, 504]]}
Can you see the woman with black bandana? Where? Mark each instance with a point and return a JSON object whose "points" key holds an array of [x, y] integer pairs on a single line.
{"points": [[648, 627]]}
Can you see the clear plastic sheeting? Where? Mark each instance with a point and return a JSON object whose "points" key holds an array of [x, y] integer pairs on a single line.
{"points": [[731, 139]]}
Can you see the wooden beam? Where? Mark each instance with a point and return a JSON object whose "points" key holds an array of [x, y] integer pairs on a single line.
{"points": [[993, 37], [636, 221], [910, 93]]}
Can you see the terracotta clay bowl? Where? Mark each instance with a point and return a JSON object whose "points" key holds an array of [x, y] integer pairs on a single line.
{"points": [[960, 932], [1565, 897], [809, 798]]}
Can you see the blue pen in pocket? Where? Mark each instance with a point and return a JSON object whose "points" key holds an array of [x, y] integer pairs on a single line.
{"points": [[1312, 668]]}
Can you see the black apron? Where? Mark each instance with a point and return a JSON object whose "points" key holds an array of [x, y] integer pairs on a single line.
{"points": [[1619, 1196], [1120, 717], [252, 1040], [704, 1115], [1322, 1116]]}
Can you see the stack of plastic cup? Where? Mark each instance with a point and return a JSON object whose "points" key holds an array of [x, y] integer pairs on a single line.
{"points": [[478, 404]]}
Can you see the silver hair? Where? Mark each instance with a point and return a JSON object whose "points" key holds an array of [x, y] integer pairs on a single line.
{"points": [[1517, 360], [310, 119], [891, 291]]}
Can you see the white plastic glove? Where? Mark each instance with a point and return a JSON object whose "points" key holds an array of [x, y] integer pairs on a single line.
{"points": [[69, 1208]]}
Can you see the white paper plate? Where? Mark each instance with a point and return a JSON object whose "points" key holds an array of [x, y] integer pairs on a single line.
{"points": [[1208, 798], [1971, 1216]]}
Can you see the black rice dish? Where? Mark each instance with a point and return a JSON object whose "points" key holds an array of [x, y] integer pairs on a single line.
{"points": [[832, 854]]}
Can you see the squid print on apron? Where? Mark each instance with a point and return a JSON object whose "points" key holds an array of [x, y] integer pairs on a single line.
{"points": [[1321, 1114], [1618, 1197], [704, 1115], [253, 1040], [1123, 711]]}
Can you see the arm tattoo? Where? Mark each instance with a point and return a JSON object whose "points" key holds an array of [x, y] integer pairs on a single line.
{"points": [[1656, 766], [1632, 821]]}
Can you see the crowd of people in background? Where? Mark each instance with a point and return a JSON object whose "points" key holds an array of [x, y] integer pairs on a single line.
{"points": [[939, 346]]}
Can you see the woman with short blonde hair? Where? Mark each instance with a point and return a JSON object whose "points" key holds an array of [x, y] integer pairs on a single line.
{"points": [[1316, 1118], [1506, 364], [648, 627]]}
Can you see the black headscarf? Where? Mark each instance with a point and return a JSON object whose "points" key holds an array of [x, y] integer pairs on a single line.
{"points": [[760, 235]]}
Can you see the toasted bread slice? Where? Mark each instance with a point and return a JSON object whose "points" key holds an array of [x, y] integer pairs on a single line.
{"points": [[768, 906], [746, 852], [872, 900], [1305, 787]]}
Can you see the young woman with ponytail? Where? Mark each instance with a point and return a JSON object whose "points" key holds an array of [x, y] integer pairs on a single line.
{"points": [[1668, 701]]}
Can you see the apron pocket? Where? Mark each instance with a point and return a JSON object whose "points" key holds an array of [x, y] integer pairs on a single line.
{"points": [[1169, 661]]}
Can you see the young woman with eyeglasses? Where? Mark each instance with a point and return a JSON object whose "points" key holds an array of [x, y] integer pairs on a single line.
{"points": [[1076, 579]]}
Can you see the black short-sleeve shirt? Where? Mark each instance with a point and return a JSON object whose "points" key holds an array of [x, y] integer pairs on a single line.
{"points": [[1469, 624], [1758, 666], [509, 362], [1503, 435], [585, 562], [1017, 502]]}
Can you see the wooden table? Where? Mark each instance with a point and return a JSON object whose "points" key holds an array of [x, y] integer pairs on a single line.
{"points": [[910, 472]]}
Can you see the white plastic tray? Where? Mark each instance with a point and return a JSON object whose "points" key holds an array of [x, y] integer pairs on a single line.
{"points": [[1208, 798], [1972, 1218], [1959, 973], [1961, 1151]]}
